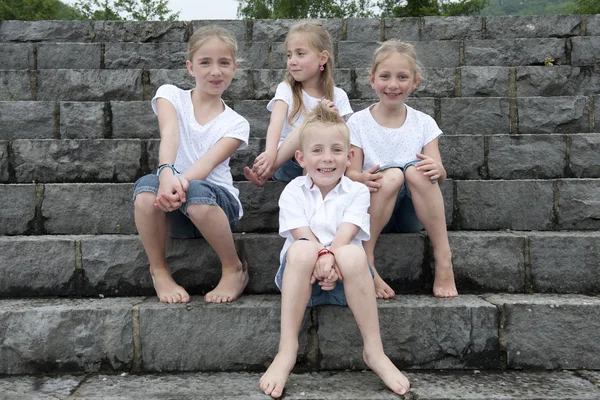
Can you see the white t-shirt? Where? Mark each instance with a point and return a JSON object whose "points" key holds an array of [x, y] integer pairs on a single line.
{"points": [[383, 146], [284, 92], [195, 139], [301, 204]]}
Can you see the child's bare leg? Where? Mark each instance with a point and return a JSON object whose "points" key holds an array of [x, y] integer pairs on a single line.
{"points": [[151, 224], [381, 209], [212, 222], [296, 290], [360, 293], [429, 207]]}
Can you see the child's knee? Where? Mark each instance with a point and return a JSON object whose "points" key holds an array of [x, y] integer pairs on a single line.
{"points": [[144, 201], [351, 260], [302, 254], [198, 211], [415, 178], [392, 179]]}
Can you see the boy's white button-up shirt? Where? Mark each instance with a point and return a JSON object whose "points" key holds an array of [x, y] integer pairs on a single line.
{"points": [[301, 204]]}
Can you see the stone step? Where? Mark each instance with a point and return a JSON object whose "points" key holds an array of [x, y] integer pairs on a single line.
{"points": [[137, 334], [116, 265], [446, 385]]}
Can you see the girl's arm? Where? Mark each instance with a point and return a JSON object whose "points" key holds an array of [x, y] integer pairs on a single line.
{"points": [[368, 177], [431, 163], [221, 151], [264, 162]]}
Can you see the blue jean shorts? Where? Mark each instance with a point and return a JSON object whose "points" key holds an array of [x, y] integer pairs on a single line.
{"points": [[288, 171], [199, 192]]}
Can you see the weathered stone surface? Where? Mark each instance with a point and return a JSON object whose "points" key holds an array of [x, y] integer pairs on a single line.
{"points": [[529, 26], [133, 119], [69, 56], [262, 254], [261, 209], [400, 260], [553, 114], [422, 104], [489, 205], [147, 31], [579, 204], [76, 160], [17, 203], [356, 54], [265, 83], [463, 156], [456, 28], [26, 120], [405, 29], [527, 156], [565, 262], [39, 387], [94, 209], [202, 345], [484, 81], [45, 31], [367, 29], [550, 331], [363, 85], [475, 116], [253, 55], [488, 261], [434, 54], [558, 80], [164, 55], [255, 111], [16, 56], [269, 30], [447, 189], [3, 161], [585, 155], [586, 50], [596, 125], [14, 85], [89, 85], [83, 120], [65, 335], [238, 27], [343, 79], [278, 56], [593, 25], [23, 273], [453, 334], [511, 52]]}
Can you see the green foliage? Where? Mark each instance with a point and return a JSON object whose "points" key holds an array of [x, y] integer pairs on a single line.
{"points": [[297, 9], [530, 7], [585, 7], [136, 10], [33, 10], [423, 8]]}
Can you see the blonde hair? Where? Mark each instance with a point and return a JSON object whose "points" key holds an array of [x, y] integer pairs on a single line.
{"points": [[205, 33], [396, 46], [324, 115], [319, 39]]}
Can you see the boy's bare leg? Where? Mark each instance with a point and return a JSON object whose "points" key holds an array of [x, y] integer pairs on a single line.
{"points": [[429, 206], [360, 294], [381, 209], [212, 222], [295, 294], [151, 224]]}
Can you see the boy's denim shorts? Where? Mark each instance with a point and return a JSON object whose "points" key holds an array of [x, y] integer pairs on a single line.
{"points": [[288, 171], [199, 192]]}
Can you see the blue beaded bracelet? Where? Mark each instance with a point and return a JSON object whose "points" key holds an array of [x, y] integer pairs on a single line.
{"points": [[160, 168]]}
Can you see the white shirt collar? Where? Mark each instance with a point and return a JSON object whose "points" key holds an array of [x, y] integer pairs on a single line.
{"points": [[343, 185]]}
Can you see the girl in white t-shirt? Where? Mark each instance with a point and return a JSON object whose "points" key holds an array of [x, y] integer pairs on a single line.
{"points": [[192, 193], [388, 138], [309, 79]]}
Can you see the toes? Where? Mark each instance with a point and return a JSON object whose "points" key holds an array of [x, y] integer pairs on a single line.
{"points": [[278, 391]]}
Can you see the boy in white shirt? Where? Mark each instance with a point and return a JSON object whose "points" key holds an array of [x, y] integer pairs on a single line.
{"points": [[324, 218]]}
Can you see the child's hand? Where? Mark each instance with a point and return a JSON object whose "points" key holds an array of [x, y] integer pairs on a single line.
{"points": [[371, 179], [171, 192], [263, 164], [429, 166], [330, 104], [324, 267], [330, 282]]}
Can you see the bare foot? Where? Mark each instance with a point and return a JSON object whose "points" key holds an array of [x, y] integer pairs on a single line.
{"points": [[166, 289], [382, 289], [230, 287], [443, 284], [253, 178], [273, 381], [387, 371]]}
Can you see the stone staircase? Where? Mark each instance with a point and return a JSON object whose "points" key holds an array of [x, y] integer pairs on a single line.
{"points": [[521, 145]]}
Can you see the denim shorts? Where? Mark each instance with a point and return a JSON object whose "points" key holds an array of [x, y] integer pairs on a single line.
{"points": [[199, 192], [288, 171]]}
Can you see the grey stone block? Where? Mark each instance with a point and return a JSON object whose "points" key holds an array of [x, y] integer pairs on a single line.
{"points": [[24, 274], [422, 104], [363, 85], [265, 83], [475, 116], [278, 56], [45, 31], [65, 335], [593, 25], [550, 331], [253, 55], [3, 161], [164, 55], [26, 120], [255, 111], [434, 54], [404, 29], [484, 81], [490, 205], [262, 254], [596, 125], [136, 31], [453, 334], [488, 261], [17, 203], [553, 114], [565, 262], [455, 28], [89, 85], [16, 56], [578, 204], [399, 259], [238, 28], [527, 156], [269, 30], [529, 26], [586, 51], [463, 156], [133, 119], [252, 326], [585, 155], [343, 79], [42, 388], [367, 29], [83, 120], [356, 54], [14, 85], [261, 208], [76, 160], [512, 52], [557, 80], [69, 56], [447, 189], [93, 209]]}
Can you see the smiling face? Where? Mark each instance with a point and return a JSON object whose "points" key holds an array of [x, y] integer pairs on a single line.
{"points": [[303, 60], [213, 67], [394, 79]]}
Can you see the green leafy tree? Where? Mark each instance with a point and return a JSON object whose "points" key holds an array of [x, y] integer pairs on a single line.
{"points": [[32, 10], [423, 8], [530, 7], [297, 9], [136, 10], [586, 7]]}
